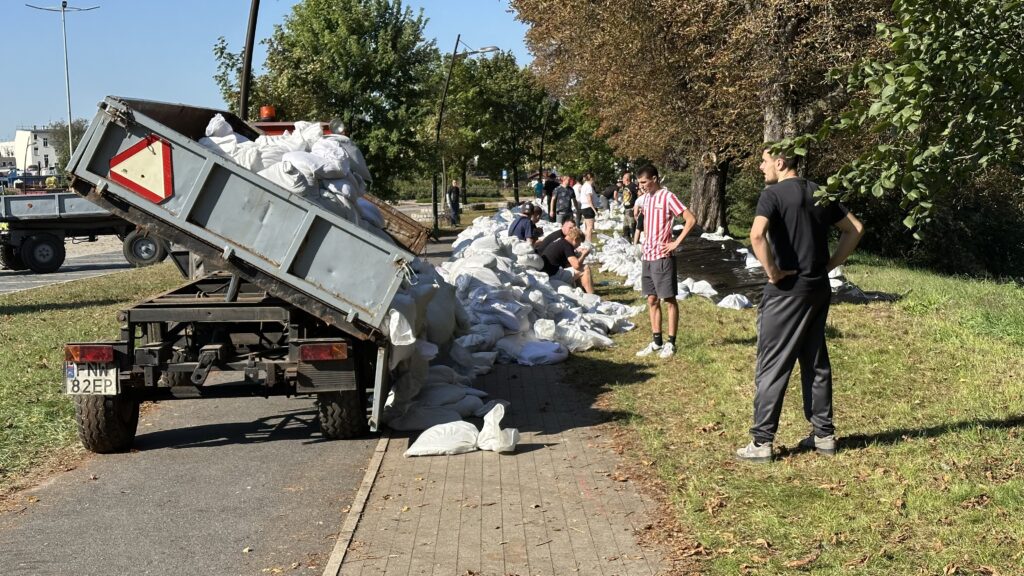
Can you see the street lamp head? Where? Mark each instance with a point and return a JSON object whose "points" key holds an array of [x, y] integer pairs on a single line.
{"points": [[486, 49]]}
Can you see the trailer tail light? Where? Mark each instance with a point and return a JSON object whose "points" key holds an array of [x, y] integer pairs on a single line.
{"points": [[80, 353], [322, 352]]}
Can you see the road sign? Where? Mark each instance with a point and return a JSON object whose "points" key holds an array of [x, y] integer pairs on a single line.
{"points": [[145, 169]]}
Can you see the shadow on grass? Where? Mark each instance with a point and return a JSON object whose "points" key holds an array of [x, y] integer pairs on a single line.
{"points": [[295, 424], [50, 306], [892, 437]]}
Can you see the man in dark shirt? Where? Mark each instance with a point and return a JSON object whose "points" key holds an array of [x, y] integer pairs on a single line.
{"points": [[561, 261], [790, 238], [524, 226], [453, 203], [563, 202]]}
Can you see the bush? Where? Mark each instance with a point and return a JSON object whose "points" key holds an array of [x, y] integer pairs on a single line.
{"points": [[974, 231]]}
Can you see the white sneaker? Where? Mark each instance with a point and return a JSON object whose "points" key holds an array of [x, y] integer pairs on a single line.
{"points": [[651, 348], [667, 350]]}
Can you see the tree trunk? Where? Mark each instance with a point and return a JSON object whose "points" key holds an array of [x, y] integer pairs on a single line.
{"points": [[779, 114], [515, 182], [465, 191], [707, 198]]}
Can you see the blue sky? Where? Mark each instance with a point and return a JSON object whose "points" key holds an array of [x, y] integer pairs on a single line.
{"points": [[163, 49]]}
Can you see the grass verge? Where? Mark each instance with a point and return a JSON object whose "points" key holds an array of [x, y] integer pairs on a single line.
{"points": [[36, 419], [929, 409]]}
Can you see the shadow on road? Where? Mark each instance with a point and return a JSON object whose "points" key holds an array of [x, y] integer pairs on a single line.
{"points": [[291, 425]]}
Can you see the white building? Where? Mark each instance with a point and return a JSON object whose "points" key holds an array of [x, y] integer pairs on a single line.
{"points": [[7, 161], [34, 151]]}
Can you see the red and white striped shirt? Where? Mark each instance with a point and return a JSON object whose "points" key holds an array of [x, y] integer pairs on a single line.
{"points": [[659, 210]]}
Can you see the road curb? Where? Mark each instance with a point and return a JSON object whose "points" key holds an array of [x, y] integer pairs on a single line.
{"points": [[348, 528]]}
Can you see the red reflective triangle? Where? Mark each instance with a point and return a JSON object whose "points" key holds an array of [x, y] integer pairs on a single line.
{"points": [[145, 169]]}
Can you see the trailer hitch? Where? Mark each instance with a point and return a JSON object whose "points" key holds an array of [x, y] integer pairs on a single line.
{"points": [[208, 356]]}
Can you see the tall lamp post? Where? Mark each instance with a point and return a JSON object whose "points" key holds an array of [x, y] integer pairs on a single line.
{"points": [[440, 116], [67, 78]]}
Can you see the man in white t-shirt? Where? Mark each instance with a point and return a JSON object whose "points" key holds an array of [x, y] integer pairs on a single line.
{"points": [[587, 201]]}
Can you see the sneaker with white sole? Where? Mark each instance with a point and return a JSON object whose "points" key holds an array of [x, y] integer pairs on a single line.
{"points": [[667, 350], [651, 349], [754, 453], [822, 445]]}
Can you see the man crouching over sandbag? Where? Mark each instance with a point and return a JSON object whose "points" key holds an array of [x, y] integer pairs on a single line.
{"points": [[562, 262]]}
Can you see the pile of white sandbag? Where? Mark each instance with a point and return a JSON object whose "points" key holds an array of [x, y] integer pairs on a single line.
{"points": [[328, 170], [621, 257]]}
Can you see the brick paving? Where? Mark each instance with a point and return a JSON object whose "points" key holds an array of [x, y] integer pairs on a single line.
{"points": [[552, 508]]}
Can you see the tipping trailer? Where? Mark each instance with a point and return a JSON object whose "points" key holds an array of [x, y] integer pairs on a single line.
{"points": [[38, 225], [295, 306]]}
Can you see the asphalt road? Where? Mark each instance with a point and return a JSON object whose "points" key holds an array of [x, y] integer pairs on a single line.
{"points": [[215, 487], [74, 268]]}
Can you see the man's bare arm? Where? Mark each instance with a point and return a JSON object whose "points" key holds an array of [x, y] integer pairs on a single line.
{"points": [[852, 230]]}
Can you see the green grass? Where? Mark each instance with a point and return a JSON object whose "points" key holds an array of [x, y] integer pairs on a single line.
{"points": [[36, 419], [929, 410]]}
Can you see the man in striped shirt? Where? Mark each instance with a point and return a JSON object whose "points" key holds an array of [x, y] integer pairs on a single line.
{"points": [[658, 279]]}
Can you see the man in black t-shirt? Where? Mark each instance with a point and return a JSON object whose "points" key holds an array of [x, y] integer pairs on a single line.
{"points": [[563, 202], [561, 261], [790, 238]]}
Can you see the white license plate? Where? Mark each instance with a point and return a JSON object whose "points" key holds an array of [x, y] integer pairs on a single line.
{"points": [[90, 378]]}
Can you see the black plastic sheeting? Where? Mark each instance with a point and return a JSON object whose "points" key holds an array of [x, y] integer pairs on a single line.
{"points": [[719, 263]]}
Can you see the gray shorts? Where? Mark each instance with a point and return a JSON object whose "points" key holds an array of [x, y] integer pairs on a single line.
{"points": [[658, 278]]}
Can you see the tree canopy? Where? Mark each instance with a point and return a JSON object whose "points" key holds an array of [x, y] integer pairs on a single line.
{"points": [[365, 62]]}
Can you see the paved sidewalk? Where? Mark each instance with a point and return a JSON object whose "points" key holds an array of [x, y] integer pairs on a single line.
{"points": [[554, 507]]}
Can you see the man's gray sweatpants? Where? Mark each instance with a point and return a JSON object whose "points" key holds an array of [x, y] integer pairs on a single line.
{"points": [[791, 328]]}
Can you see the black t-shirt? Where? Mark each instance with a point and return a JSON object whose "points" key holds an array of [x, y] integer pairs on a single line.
{"points": [[453, 195], [609, 191], [549, 186], [798, 234], [556, 235], [556, 256]]}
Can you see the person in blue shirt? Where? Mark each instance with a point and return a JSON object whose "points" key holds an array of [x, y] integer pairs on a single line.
{"points": [[524, 226]]}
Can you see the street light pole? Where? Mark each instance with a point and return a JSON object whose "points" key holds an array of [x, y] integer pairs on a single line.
{"points": [[440, 117], [67, 76]]}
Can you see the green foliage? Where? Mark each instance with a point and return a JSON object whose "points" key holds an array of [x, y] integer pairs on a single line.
{"points": [[505, 108], [59, 138], [945, 104], [365, 62], [578, 146]]}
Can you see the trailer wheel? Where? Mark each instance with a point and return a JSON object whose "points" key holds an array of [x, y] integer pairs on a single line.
{"points": [[341, 414], [106, 423], [43, 253], [11, 259], [140, 249]]}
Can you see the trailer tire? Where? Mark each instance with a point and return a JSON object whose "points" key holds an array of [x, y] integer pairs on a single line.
{"points": [[11, 259], [43, 253], [141, 249], [106, 424], [341, 414]]}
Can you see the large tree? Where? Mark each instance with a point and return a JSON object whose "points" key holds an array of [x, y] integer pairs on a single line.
{"points": [[701, 80], [365, 62]]}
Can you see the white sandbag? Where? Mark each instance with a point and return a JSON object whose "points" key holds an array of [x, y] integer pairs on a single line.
{"points": [[441, 395], [532, 261], [313, 166], [357, 162], [370, 212], [223, 144], [310, 132], [288, 177], [545, 329], [541, 353], [420, 417], [247, 155], [485, 408], [451, 438], [401, 320], [343, 186], [492, 437], [577, 340], [481, 337], [218, 126], [484, 361], [735, 301], [703, 288], [475, 391], [427, 350], [468, 406]]}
